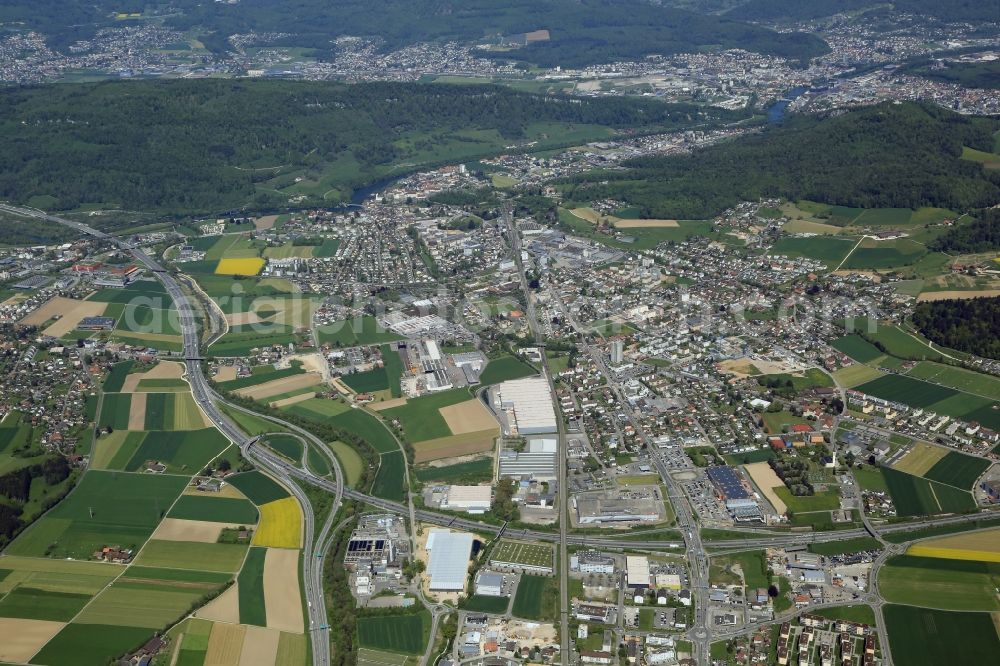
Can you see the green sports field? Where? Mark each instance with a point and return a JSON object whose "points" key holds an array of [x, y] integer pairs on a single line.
{"points": [[926, 637], [932, 582], [407, 634]]}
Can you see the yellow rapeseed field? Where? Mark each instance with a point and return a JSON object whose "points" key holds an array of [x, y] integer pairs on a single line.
{"points": [[280, 524], [982, 546], [250, 266]]}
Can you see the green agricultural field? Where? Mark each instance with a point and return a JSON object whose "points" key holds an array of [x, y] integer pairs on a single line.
{"points": [[221, 557], [947, 584], [157, 575], [106, 508], [407, 634], [115, 450], [251, 589], [251, 424], [857, 348], [471, 472], [240, 340], [420, 417], [505, 368], [855, 545], [860, 613], [897, 342], [393, 365], [39, 604], [914, 496], [855, 374], [181, 451], [258, 488], [369, 381], [91, 644], [141, 318], [287, 445], [884, 217], [830, 251], [116, 378], [537, 598], [363, 331], [926, 637], [811, 378], [214, 509], [518, 552], [159, 411], [149, 292], [886, 255], [824, 501], [69, 576], [261, 377], [141, 604], [317, 409], [362, 424], [115, 410], [390, 482], [941, 530], [350, 461], [956, 378], [899, 388], [957, 469], [484, 604]]}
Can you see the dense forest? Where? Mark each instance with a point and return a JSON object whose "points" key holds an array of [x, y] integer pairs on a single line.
{"points": [[891, 155], [967, 74], [980, 235], [181, 146], [803, 10], [969, 325], [582, 31]]}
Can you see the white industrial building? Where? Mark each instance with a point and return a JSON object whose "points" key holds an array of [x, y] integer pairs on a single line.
{"points": [[637, 571], [527, 404], [489, 583], [471, 499], [449, 559]]}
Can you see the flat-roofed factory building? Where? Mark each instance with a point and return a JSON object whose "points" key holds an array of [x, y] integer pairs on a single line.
{"points": [[526, 405], [448, 567]]}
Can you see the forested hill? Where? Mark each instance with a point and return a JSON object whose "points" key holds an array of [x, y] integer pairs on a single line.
{"points": [[582, 31], [181, 146], [803, 10], [892, 155]]}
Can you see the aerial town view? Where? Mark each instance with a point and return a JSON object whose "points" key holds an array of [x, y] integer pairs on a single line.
{"points": [[500, 333]]}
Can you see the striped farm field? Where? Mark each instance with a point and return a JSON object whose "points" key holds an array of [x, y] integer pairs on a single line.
{"points": [[280, 524], [982, 546]]}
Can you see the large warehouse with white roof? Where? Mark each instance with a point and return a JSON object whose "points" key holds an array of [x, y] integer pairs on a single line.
{"points": [[527, 405], [449, 559]]}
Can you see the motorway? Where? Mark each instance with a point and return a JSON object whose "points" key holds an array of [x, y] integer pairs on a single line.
{"points": [[316, 544]]}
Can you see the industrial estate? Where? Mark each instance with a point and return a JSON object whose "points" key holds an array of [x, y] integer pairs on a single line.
{"points": [[500, 344]]}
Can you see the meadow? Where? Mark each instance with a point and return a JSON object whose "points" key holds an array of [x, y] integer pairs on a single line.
{"points": [[368, 428], [860, 613], [106, 508], [420, 418], [505, 368], [396, 633], [830, 251], [857, 348], [390, 482], [41, 604], [350, 462], [536, 598], [472, 471], [116, 378], [485, 604], [90, 644], [287, 445], [927, 637]]}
